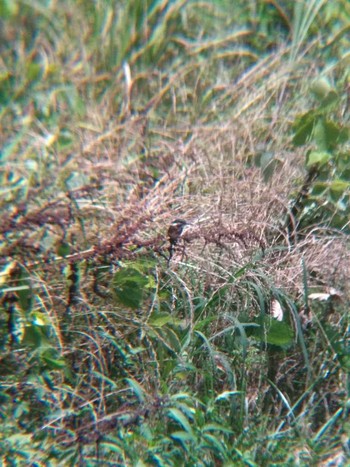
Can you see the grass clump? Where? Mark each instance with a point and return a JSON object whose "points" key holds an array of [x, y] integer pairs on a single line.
{"points": [[117, 118]]}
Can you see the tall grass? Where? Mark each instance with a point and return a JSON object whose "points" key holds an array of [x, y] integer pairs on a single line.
{"points": [[117, 118]]}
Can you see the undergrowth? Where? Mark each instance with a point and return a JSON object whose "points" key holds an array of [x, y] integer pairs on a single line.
{"points": [[231, 345]]}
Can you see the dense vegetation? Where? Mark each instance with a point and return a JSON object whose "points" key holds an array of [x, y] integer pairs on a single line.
{"points": [[117, 117]]}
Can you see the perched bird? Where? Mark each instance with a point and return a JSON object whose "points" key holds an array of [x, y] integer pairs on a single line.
{"points": [[175, 230], [174, 233]]}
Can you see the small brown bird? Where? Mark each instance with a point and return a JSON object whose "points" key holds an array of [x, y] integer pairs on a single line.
{"points": [[174, 233], [175, 230]]}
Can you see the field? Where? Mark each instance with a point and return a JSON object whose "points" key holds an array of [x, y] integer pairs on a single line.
{"points": [[227, 344]]}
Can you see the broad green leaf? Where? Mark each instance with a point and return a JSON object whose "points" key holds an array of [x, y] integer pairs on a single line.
{"points": [[317, 158], [303, 127], [328, 134], [279, 333], [129, 286], [333, 134], [274, 332], [75, 101], [160, 319]]}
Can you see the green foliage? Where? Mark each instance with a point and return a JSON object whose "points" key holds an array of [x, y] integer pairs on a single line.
{"points": [[325, 198], [275, 332], [130, 285]]}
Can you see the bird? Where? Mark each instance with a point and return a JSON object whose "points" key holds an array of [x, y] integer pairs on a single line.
{"points": [[175, 231]]}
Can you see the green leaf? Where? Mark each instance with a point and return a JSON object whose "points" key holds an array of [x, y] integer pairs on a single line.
{"points": [[33, 336], [136, 388], [334, 133], [179, 417], [52, 363], [170, 339], [159, 319], [337, 189], [319, 135], [63, 249], [274, 332], [319, 189], [279, 333], [129, 286], [303, 127], [317, 158], [328, 134]]}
